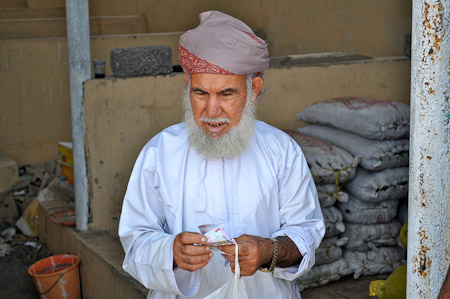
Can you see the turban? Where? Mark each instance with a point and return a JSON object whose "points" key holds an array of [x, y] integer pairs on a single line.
{"points": [[222, 44]]}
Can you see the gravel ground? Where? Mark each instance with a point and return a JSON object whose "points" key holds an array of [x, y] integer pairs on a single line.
{"points": [[15, 282]]}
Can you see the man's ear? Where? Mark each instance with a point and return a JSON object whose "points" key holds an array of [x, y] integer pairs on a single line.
{"points": [[257, 85], [186, 78]]}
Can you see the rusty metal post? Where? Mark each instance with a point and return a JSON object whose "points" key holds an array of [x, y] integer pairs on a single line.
{"points": [[429, 175], [78, 41]]}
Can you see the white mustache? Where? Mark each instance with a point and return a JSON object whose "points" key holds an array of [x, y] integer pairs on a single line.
{"points": [[215, 120]]}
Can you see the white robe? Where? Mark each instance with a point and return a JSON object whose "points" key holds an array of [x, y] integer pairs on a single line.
{"points": [[268, 191]]}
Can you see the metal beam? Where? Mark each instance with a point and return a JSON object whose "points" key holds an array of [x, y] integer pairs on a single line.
{"points": [[429, 175], [78, 40]]}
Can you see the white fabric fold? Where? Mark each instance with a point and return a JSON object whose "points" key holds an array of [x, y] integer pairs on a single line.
{"points": [[200, 204]]}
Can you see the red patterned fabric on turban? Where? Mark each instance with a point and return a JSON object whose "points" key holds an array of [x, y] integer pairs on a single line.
{"points": [[222, 44]]}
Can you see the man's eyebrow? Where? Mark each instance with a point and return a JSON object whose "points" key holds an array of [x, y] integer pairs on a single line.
{"points": [[196, 89], [227, 90]]}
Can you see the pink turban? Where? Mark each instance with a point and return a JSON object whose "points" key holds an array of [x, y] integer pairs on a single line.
{"points": [[222, 44]]}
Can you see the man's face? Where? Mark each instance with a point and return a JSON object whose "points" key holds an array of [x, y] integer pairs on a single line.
{"points": [[217, 101]]}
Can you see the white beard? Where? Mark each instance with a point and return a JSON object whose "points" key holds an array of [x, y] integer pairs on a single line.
{"points": [[230, 145]]}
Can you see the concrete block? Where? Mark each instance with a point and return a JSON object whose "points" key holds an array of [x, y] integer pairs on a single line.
{"points": [[141, 61], [9, 173]]}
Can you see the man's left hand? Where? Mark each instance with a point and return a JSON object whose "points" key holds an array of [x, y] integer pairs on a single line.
{"points": [[253, 253]]}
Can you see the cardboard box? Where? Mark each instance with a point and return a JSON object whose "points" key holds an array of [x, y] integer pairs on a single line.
{"points": [[65, 158]]}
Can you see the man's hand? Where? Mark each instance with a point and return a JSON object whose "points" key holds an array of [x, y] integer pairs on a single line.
{"points": [[253, 253], [188, 256]]}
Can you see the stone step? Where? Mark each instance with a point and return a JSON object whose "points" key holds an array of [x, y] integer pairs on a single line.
{"points": [[56, 27], [32, 13], [13, 3], [101, 256]]}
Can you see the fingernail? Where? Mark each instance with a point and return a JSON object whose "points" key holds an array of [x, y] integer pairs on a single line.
{"points": [[207, 248], [203, 239], [210, 254]]}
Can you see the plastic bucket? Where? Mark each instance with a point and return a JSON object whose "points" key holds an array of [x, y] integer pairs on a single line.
{"points": [[57, 276]]}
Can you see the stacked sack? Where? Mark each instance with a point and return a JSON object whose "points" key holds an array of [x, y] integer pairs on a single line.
{"points": [[330, 167], [378, 132]]}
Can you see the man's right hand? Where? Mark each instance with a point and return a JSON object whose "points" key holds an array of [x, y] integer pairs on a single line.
{"points": [[188, 256]]}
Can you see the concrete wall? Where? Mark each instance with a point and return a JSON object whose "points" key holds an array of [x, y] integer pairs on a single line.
{"points": [[374, 28], [34, 112], [34, 85], [123, 114], [289, 91]]}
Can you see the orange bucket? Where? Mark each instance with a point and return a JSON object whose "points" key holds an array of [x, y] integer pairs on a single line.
{"points": [[57, 277]]}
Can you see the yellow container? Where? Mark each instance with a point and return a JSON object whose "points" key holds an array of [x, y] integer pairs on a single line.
{"points": [[65, 158], [67, 172], [65, 154]]}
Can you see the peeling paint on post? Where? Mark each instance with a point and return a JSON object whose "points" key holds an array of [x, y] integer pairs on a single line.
{"points": [[78, 42], [429, 175]]}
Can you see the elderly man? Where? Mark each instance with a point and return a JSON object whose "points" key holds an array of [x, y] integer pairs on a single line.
{"points": [[220, 166]]}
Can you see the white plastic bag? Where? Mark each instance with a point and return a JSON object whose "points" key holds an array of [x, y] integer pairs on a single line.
{"points": [[235, 288]]}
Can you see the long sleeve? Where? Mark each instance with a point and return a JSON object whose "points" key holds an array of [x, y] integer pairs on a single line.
{"points": [[300, 214], [148, 247]]}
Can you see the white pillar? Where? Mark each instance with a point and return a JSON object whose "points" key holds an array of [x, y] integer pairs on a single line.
{"points": [[429, 175], [78, 40]]}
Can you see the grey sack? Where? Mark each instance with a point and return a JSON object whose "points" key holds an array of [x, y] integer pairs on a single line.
{"points": [[357, 211], [376, 186], [364, 237], [375, 154], [369, 118], [328, 163]]}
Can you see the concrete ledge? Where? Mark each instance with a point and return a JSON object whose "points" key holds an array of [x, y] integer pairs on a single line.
{"points": [[56, 27], [101, 273], [28, 13], [314, 59], [46, 3], [13, 3]]}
